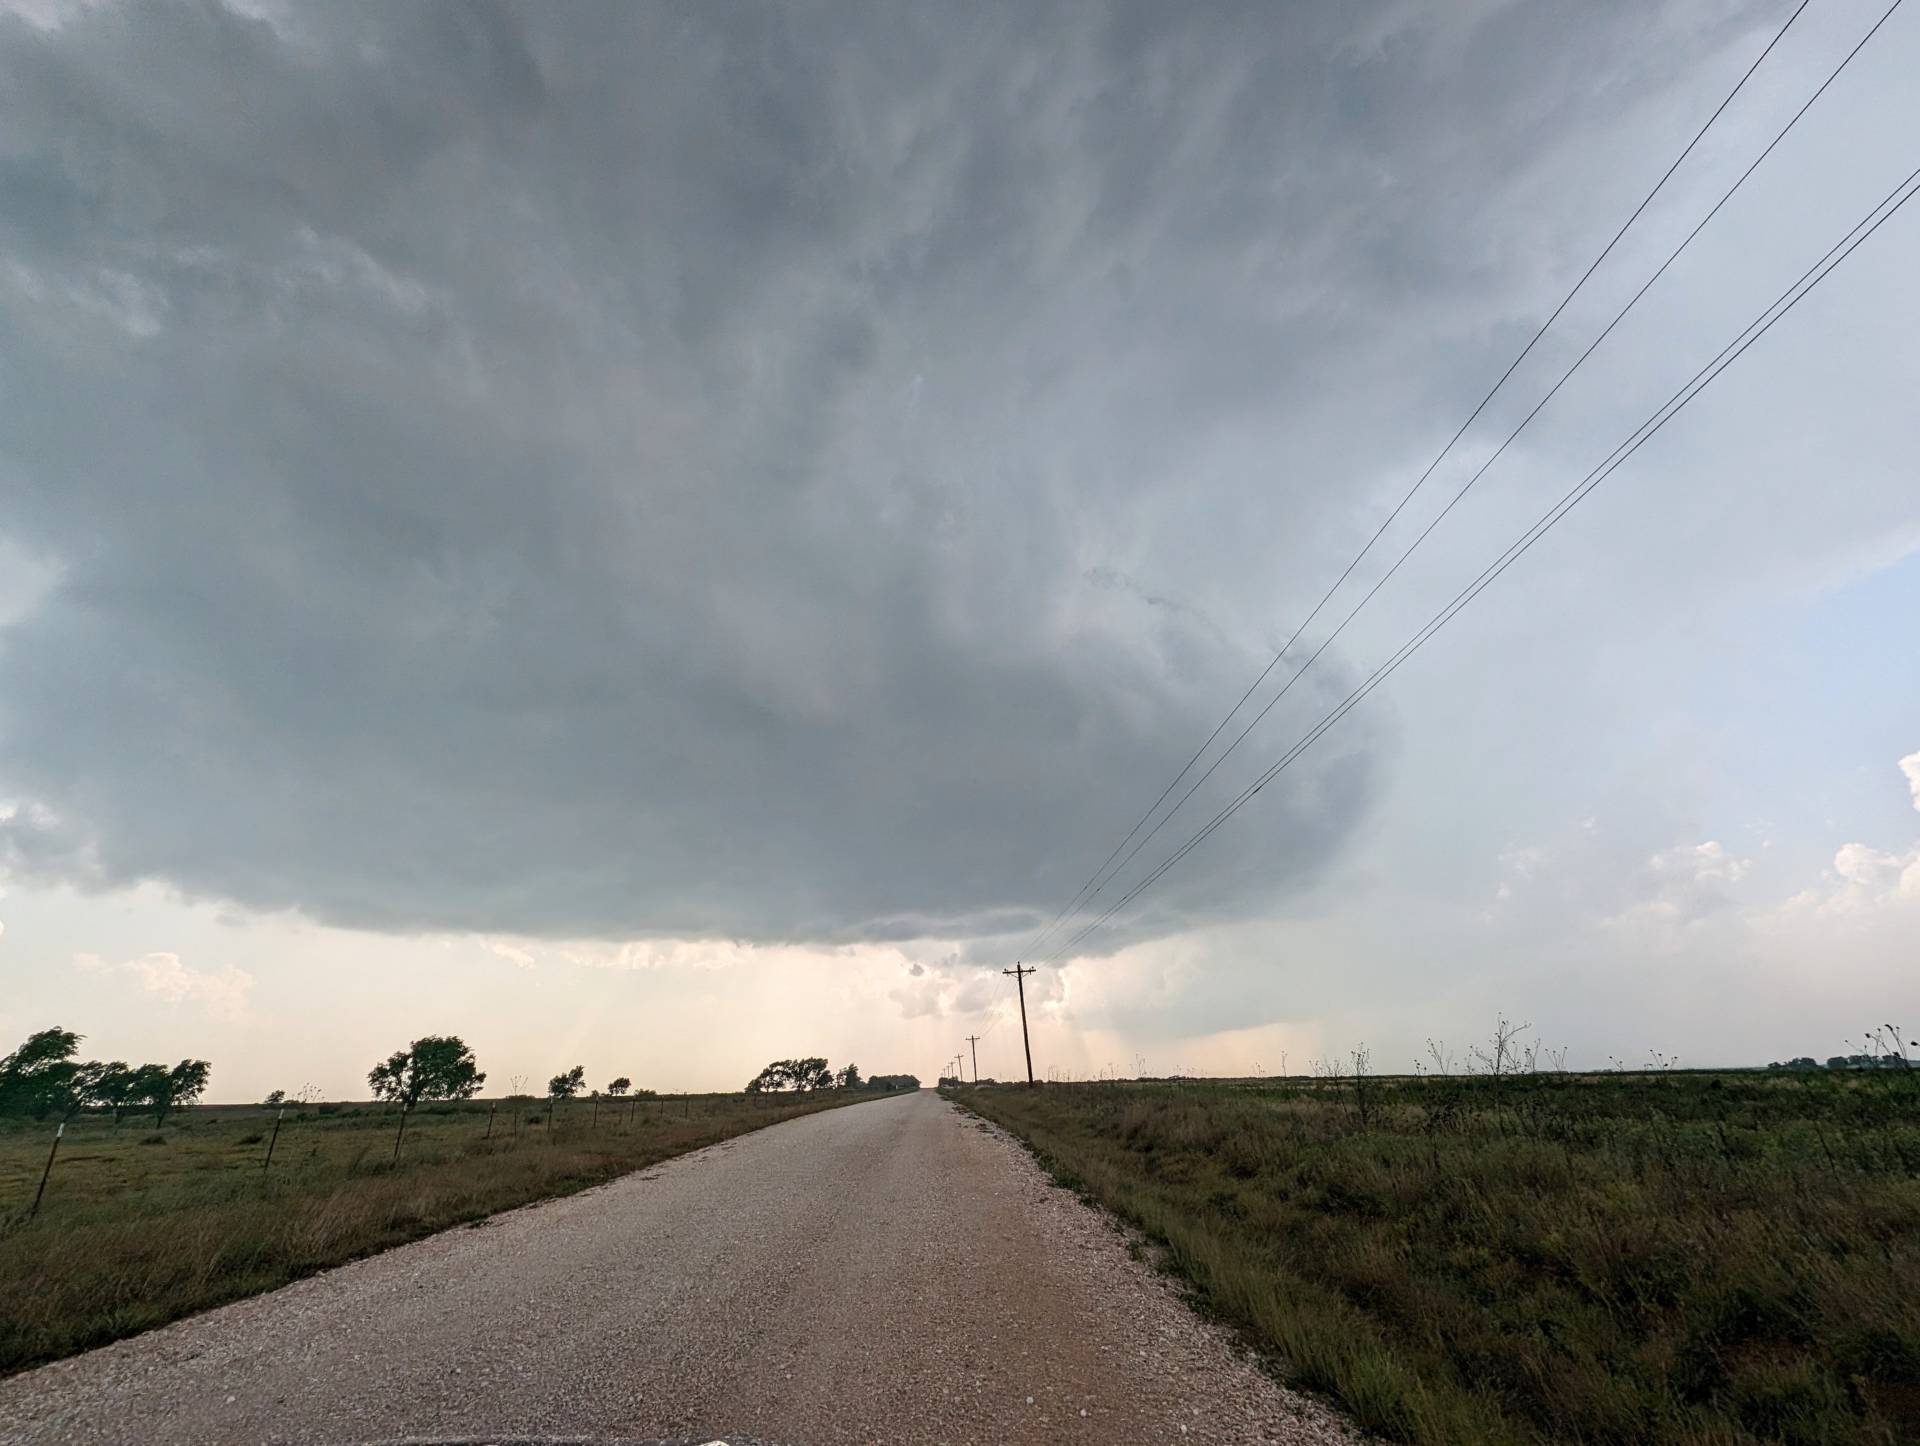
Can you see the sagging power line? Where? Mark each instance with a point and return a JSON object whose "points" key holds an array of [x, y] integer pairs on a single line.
{"points": [[1499, 451], [1838, 253], [1108, 869]]}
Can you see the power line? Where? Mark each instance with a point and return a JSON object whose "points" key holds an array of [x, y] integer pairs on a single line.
{"points": [[1110, 874], [1785, 302], [1095, 884]]}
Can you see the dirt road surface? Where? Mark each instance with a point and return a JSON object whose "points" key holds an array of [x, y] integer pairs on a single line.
{"points": [[895, 1272]]}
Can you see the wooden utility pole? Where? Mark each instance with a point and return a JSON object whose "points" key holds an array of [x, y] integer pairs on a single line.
{"points": [[973, 1043], [1020, 978]]}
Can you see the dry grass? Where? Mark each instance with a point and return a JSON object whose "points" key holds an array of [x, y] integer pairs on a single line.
{"points": [[1677, 1258], [140, 1227]]}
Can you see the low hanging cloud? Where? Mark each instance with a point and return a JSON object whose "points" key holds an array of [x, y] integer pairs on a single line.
{"points": [[605, 473]]}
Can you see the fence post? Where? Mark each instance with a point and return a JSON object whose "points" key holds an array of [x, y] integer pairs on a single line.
{"points": [[491, 1112], [58, 1130], [401, 1134], [273, 1139]]}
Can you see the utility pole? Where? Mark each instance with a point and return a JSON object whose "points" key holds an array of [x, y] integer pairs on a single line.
{"points": [[973, 1043], [1020, 978]]}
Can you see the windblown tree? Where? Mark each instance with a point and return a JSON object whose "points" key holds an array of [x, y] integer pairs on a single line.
{"points": [[115, 1088], [566, 1086], [849, 1077], [38, 1078], [810, 1073], [164, 1090], [619, 1086], [78, 1092], [436, 1067]]}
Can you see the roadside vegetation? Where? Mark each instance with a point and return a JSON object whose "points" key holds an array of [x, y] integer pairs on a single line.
{"points": [[1532, 1257], [155, 1208]]}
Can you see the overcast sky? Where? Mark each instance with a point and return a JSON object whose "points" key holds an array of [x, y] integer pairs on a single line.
{"points": [[660, 536]]}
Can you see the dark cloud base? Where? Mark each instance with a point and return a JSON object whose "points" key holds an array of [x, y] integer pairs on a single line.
{"points": [[625, 470]]}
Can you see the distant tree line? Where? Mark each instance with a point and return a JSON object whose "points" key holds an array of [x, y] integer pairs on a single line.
{"points": [[1844, 1061], [1885, 1047], [44, 1079], [799, 1076]]}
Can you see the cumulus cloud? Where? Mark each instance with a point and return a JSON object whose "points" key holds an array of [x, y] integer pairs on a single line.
{"points": [[1865, 880], [1702, 863], [1687, 883], [951, 987], [221, 994]]}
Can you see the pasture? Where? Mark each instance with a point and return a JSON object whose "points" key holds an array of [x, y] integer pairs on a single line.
{"points": [[1677, 1257], [140, 1226]]}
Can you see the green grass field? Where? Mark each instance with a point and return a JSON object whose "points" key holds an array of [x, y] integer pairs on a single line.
{"points": [[141, 1226], [1692, 1258]]}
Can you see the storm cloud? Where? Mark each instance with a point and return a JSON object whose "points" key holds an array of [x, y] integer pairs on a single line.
{"points": [[781, 472]]}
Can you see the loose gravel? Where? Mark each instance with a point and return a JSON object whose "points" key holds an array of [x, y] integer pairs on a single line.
{"points": [[893, 1273]]}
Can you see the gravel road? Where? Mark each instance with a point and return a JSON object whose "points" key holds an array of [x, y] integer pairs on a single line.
{"points": [[894, 1272]]}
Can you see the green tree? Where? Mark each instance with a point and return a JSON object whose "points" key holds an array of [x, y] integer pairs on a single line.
{"points": [[849, 1077], [566, 1086], [164, 1090], [435, 1067], [114, 1089], [77, 1091], [812, 1073], [37, 1078], [620, 1086], [776, 1076], [275, 1098]]}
